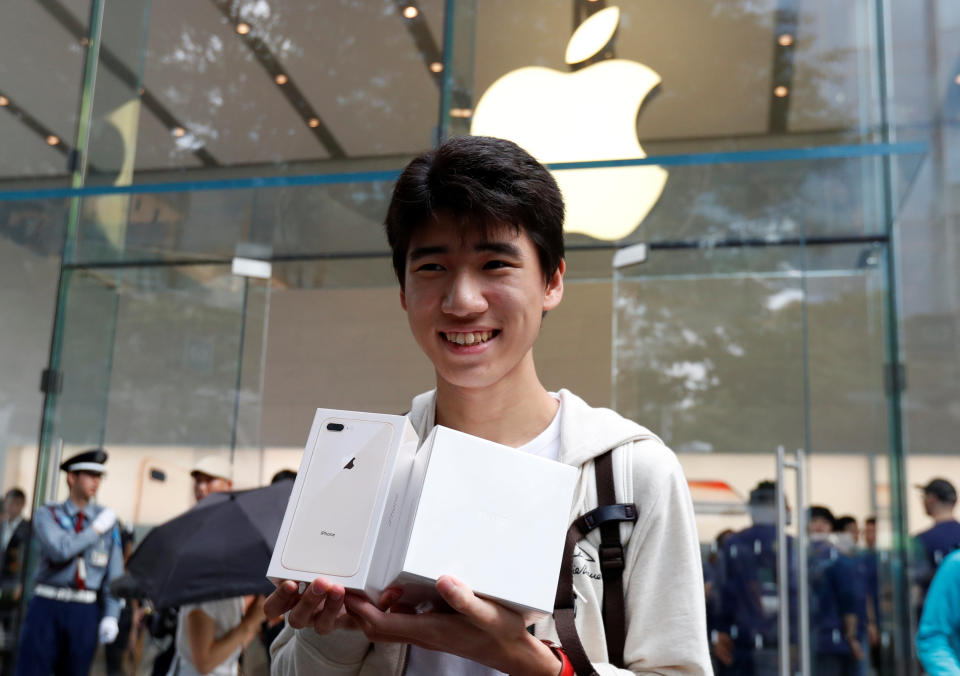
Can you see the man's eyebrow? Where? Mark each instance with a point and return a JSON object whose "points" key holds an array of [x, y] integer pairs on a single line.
{"points": [[424, 251], [505, 248]]}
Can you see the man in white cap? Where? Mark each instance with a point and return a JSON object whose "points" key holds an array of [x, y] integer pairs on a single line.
{"points": [[79, 556], [212, 635]]}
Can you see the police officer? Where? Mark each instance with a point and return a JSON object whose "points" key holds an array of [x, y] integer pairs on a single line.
{"points": [[80, 554]]}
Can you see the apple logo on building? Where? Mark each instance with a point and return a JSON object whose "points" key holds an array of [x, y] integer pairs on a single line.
{"points": [[587, 115]]}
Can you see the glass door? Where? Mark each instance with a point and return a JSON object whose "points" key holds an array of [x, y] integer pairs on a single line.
{"points": [[763, 368]]}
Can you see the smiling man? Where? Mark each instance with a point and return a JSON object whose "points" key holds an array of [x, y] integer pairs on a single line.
{"points": [[476, 232]]}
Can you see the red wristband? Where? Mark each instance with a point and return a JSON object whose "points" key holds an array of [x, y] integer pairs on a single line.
{"points": [[566, 668]]}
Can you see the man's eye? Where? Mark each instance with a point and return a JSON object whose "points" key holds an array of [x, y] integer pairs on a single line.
{"points": [[495, 265], [429, 267]]}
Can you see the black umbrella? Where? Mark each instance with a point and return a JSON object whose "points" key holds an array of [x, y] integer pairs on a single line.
{"points": [[219, 549]]}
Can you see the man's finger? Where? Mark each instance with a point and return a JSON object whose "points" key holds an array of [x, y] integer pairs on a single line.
{"points": [[326, 620], [311, 602], [283, 598], [388, 598], [480, 612]]}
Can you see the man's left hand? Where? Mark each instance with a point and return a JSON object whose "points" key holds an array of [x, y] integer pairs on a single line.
{"points": [[478, 630], [108, 630]]}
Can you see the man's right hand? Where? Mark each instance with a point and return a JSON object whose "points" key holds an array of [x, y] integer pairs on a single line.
{"points": [[723, 649], [320, 606], [104, 520]]}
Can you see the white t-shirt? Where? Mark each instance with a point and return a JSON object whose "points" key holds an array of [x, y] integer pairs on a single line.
{"points": [[226, 614], [423, 662]]}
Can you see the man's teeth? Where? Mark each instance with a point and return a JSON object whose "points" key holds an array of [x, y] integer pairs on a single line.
{"points": [[469, 338]]}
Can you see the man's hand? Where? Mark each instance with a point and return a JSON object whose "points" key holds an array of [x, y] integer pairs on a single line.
{"points": [[478, 630], [320, 606], [108, 630], [723, 649], [104, 520]]}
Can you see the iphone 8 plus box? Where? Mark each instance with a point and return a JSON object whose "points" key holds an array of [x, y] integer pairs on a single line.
{"points": [[490, 515], [345, 503]]}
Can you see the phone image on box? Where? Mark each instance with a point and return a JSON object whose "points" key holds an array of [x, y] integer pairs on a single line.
{"points": [[334, 512]]}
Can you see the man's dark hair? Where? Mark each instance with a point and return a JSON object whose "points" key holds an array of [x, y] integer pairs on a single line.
{"points": [[283, 475], [872, 520], [820, 512], [16, 493], [477, 181], [841, 523]]}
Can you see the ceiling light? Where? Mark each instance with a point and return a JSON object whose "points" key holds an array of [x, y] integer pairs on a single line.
{"points": [[84, 42], [461, 112], [4, 101], [410, 12], [780, 91], [280, 79], [52, 140], [957, 79], [785, 40], [313, 122], [179, 131], [242, 28], [436, 67]]}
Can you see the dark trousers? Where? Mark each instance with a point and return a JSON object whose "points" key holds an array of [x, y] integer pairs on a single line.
{"points": [[58, 637]]}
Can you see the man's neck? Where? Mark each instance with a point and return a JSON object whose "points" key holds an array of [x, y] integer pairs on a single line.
{"points": [[943, 517], [511, 412], [80, 501]]}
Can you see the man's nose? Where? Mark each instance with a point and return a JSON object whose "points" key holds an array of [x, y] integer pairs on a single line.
{"points": [[464, 296]]}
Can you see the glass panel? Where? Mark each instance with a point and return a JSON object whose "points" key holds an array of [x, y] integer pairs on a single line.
{"points": [[728, 354]]}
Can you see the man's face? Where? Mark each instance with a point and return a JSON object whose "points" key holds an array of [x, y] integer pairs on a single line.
{"points": [[475, 306], [12, 507], [820, 525], [929, 503], [853, 530], [83, 484], [870, 534], [204, 485]]}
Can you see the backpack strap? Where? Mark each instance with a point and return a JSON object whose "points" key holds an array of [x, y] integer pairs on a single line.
{"points": [[607, 516]]}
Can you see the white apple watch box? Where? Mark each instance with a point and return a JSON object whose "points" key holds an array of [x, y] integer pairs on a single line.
{"points": [[370, 511]]}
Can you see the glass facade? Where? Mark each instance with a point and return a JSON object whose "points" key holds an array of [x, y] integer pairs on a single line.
{"points": [[764, 202]]}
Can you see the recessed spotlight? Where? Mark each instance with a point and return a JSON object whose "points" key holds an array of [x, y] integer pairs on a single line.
{"points": [[242, 28], [410, 12], [957, 79], [84, 42], [4, 101], [280, 79], [780, 91], [461, 112], [313, 123], [785, 40], [179, 131], [436, 67], [52, 140]]}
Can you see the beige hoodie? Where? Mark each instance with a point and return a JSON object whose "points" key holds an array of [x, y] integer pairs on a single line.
{"points": [[663, 578]]}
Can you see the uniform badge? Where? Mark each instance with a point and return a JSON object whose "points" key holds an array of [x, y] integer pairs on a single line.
{"points": [[99, 558]]}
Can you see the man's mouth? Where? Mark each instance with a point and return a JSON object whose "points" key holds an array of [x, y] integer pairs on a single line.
{"points": [[469, 337]]}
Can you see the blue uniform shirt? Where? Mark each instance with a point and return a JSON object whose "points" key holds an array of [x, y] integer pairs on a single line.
{"points": [[60, 547], [938, 638]]}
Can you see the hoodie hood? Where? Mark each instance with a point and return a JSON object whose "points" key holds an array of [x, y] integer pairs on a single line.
{"points": [[578, 442]]}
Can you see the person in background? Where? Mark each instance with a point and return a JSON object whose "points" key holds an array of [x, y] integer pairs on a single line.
{"points": [[938, 636], [869, 565], [847, 532], [837, 648], [272, 627], [212, 635], [13, 547], [847, 525], [283, 475], [939, 502], [79, 556], [746, 636]]}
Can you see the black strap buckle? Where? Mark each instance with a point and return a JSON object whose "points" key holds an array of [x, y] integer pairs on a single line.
{"points": [[619, 512], [611, 557]]}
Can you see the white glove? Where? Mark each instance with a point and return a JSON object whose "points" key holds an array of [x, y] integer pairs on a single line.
{"points": [[108, 630], [102, 523]]}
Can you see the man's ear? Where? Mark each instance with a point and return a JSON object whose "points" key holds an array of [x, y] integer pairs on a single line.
{"points": [[403, 299], [554, 291]]}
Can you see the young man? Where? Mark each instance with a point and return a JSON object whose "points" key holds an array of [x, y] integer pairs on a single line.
{"points": [[476, 231], [79, 557]]}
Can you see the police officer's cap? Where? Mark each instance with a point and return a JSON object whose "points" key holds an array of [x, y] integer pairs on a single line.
{"points": [[92, 460], [941, 489]]}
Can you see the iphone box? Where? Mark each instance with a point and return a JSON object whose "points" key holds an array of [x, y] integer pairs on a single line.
{"points": [[490, 515], [369, 511], [345, 503]]}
